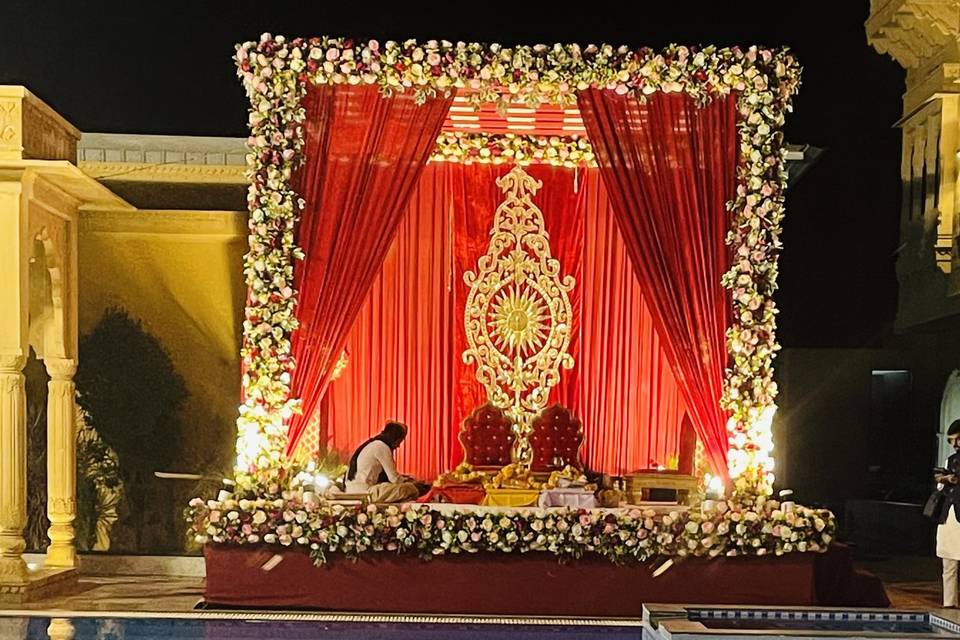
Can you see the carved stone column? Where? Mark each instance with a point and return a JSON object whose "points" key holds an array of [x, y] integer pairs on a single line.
{"points": [[61, 462], [60, 629], [13, 470]]}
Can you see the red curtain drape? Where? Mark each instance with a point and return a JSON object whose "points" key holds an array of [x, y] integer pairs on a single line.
{"points": [[406, 343], [363, 155], [669, 168], [629, 402], [400, 362]]}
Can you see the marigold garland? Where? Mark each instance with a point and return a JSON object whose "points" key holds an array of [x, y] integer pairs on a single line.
{"points": [[277, 72]]}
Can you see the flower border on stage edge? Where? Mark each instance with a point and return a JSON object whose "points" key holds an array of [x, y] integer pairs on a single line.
{"points": [[726, 529], [276, 73]]}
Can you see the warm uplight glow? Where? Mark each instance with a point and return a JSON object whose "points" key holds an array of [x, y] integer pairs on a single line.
{"points": [[305, 477], [714, 486], [751, 450], [257, 435], [341, 365], [311, 479]]}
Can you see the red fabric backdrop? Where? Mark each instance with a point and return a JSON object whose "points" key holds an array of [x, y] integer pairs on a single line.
{"points": [[405, 345], [670, 167], [400, 359], [364, 154], [630, 405], [476, 198]]}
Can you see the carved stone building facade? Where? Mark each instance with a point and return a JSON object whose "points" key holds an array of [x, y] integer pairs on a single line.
{"points": [[42, 194], [88, 223], [923, 36]]}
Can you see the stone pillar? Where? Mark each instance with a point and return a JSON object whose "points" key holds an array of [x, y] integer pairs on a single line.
{"points": [[60, 629], [61, 462], [13, 470]]}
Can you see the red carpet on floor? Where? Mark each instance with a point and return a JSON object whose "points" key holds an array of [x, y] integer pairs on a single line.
{"points": [[528, 584]]}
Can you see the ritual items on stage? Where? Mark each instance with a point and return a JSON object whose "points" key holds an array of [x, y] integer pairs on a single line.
{"points": [[642, 486], [512, 486], [511, 497], [517, 476], [455, 494], [569, 477], [462, 474], [513, 476], [463, 485]]}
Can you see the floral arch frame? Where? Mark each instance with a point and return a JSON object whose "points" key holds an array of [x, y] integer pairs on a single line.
{"points": [[277, 73]]}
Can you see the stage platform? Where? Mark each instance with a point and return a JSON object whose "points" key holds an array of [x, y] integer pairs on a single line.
{"points": [[527, 584]]}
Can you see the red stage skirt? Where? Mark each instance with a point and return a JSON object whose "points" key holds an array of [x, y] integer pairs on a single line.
{"points": [[529, 584]]}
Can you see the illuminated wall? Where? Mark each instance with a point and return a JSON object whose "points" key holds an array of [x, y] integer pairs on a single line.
{"points": [[180, 273]]}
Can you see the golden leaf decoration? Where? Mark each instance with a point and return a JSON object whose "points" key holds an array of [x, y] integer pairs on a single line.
{"points": [[517, 315]]}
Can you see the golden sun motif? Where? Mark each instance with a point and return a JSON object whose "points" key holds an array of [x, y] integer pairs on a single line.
{"points": [[519, 321]]}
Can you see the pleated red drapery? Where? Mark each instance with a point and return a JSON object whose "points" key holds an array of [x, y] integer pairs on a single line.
{"points": [[363, 156], [669, 167], [629, 402], [406, 343], [400, 358]]}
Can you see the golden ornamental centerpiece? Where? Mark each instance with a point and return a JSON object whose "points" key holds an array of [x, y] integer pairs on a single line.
{"points": [[518, 314]]}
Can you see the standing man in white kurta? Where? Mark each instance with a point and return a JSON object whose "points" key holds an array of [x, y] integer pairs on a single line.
{"points": [[948, 533]]}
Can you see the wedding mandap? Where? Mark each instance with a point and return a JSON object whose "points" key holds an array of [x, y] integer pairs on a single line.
{"points": [[555, 264]]}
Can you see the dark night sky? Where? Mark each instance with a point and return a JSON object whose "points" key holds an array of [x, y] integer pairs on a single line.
{"points": [[165, 67]]}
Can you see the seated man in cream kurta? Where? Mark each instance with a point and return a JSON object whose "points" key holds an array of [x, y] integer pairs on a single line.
{"points": [[373, 470]]}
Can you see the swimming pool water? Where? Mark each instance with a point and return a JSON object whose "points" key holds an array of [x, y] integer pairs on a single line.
{"points": [[39, 628], [674, 621], [892, 628]]}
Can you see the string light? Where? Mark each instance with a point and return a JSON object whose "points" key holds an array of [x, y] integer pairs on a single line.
{"points": [[714, 486]]}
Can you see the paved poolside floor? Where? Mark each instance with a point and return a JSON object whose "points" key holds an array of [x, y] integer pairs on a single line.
{"points": [[911, 582]]}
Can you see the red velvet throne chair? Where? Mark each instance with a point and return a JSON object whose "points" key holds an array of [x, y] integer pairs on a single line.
{"points": [[556, 438], [487, 438]]}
